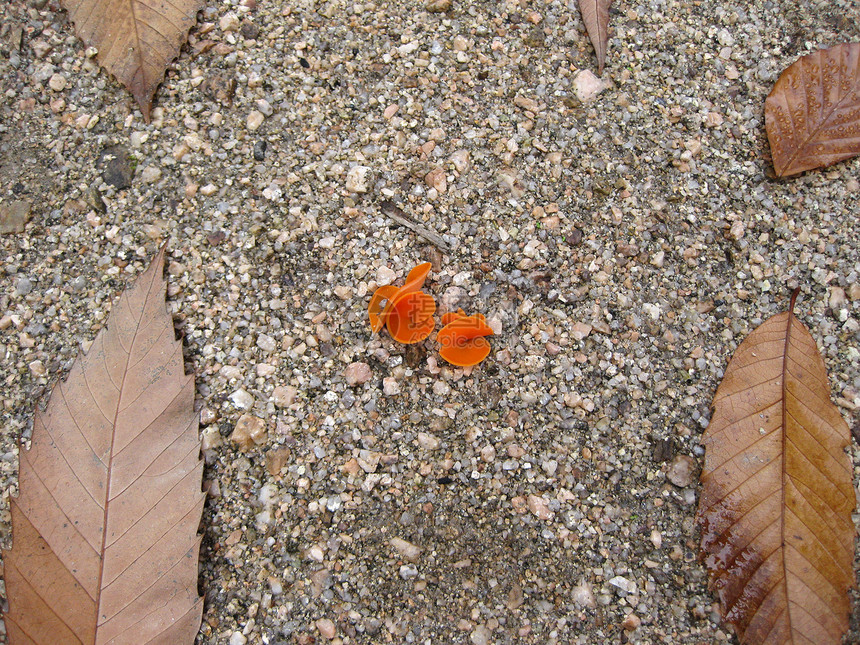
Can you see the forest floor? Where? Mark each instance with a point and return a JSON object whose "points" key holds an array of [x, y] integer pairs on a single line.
{"points": [[622, 234]]}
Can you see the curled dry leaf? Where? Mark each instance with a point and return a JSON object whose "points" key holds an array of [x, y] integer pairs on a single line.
{"points": [[105, 542], [812, 115], [775, 510], [595, 15], [135, 39]]}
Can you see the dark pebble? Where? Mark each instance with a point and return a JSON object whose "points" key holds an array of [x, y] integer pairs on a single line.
{"points": [[260, 150]]}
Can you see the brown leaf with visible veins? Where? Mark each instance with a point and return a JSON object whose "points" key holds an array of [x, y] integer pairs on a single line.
{"points": [[595, 15], [105, 543], [135, 39], [812, 115], [777, 498]]}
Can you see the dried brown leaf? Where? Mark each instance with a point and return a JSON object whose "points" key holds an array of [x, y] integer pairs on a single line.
{"points": [[777, 495], [135, 39], [105, 543], [595, 15], [812, 115]]}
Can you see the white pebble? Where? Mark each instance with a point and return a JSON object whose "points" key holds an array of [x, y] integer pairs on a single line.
{"points": [[255, 120], [390, 386], [150, 174], [242, 400], [357, 179]]}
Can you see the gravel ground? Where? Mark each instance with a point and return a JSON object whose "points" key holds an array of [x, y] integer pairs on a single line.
{"points": [[622, 237]]}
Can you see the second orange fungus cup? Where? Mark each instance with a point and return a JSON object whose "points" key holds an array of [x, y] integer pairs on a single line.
{"points": [[462, 338], [408, 311]]}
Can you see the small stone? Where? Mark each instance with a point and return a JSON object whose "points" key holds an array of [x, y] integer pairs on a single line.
{"points": [[436, 179], [713, 120], [580, 330], [736, 232], [229, 22], [368, 460], [208, 190], [266, 343], [623, 584], [837, 297], [631, 622], [460, 44], [390, 111], [481, 635], [358, 179], [357, 373], [587, 86], [236, 638], [384, 275], [255, 120], [406, 549], [427, 441], [583, 596], [681, 470], [23, 286], [853, 292], [408, 571], [57, 82], [326, 628], [260, 150], [390, 386], [115, 162], [284, 395], [150, 174], [538, 506], [460, 159], [276, 460], [437, 6], [249, 431], [242, 400], [37, 368], [14, 216]]}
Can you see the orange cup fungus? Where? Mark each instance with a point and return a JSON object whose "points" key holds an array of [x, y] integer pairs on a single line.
{"points": [[462, 338], [408, 311]]}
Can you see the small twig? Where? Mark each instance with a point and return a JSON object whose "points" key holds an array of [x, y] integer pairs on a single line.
{"points": [[391, 209]]}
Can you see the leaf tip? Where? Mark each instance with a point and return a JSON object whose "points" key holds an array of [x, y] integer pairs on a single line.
{"points": [[794, 295]]}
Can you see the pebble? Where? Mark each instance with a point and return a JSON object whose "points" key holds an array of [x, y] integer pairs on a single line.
{"points": [[326, 628], [358, 179], [480, 635], [150, 174], [408, 571], [438, 6], [255, 120], [237, 638], [242, 400], [357, 373], [284, 395], [631, 622], [428, 441], [539, 507], [436, 179], [680, 470], [390, 386], [57, 82], [587, 86], [249, 431], [266, 343], [229, 22], [406, 549], [583, 596], [14, 216]]}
